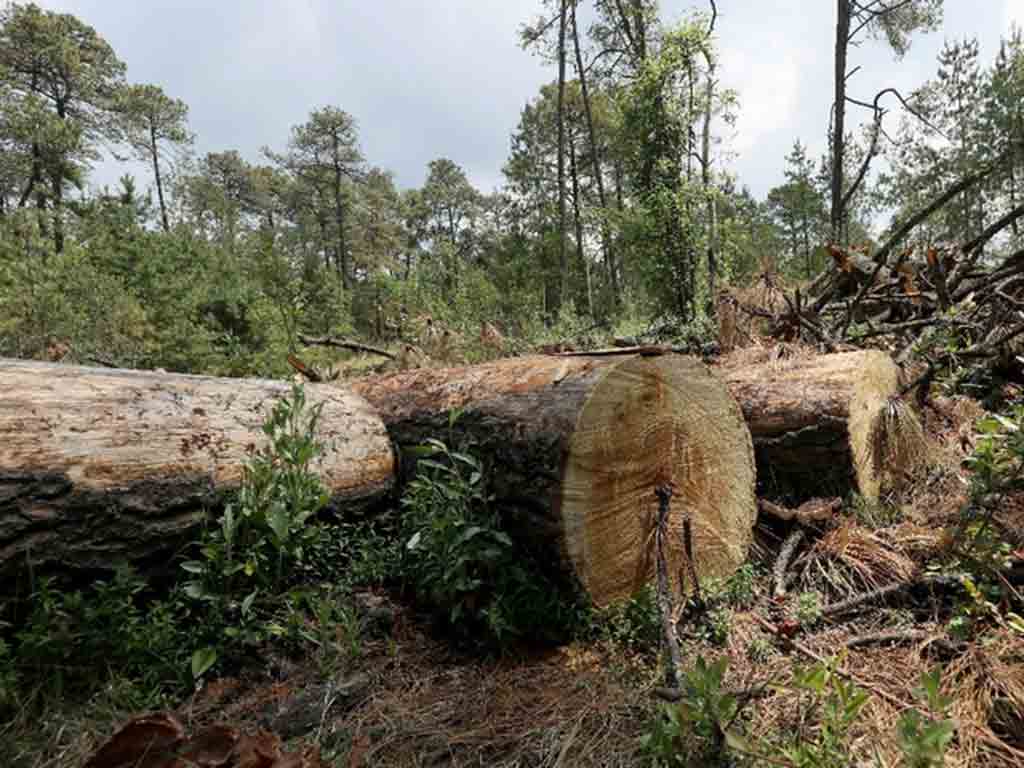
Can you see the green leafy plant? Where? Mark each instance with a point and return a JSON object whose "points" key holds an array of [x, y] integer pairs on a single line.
{"points": [[718, 625], [739, 590], [760, 649], [838, 704], [270, 527], [460, 562], [635, 623], [808, 608], [924, 738], [694, 731]]}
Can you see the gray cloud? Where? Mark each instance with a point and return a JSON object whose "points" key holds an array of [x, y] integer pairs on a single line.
{"points": [[449, 79]]}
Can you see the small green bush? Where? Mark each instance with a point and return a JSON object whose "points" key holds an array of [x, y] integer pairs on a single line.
{"points": [[460, 563]]}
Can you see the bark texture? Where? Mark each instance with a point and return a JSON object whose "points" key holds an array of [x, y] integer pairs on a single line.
{"points": [[811, 417], [100, 465], [577, 447]]}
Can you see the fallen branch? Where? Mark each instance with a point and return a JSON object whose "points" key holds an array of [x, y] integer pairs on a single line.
{"points": [[839, 670], [649, 350], [894, 636], [873, 596], [783, 560], [354, 346], [812, 511]]}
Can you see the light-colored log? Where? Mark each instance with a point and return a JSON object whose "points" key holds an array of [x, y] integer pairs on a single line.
{"points": [[98, 465]]}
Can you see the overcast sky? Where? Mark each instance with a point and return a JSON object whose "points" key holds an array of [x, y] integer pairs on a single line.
{"points": [[447, 77]]}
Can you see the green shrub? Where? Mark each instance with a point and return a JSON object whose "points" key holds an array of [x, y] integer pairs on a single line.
{"points": [[267, 533], [635, 623], [808, 609], [837, 704], [694, 731], [923, 739], [460, 563]]}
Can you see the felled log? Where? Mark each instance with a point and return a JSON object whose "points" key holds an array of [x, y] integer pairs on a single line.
{"points": [[577, 447], [99, 465], [814, 418]]}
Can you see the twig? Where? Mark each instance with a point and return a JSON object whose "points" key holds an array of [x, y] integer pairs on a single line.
{"points": [[873, 596], [355, 346], [904, 636], [649, 350], [882, 255], [308, 371], [841, 671]]}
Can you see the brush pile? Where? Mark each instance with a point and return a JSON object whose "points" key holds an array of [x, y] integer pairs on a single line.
{"points": [[961, 312]]}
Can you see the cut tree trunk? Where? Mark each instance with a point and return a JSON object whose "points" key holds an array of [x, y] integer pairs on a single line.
{"points": [[813, 419], [100, 465], [576, 448]]}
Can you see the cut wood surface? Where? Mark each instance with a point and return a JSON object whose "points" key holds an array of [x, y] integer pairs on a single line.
{"points": [[101, 464], [811, 415], [577, 447]]}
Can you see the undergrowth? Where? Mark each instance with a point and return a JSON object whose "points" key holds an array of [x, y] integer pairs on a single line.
{"points": [[263, 571]]}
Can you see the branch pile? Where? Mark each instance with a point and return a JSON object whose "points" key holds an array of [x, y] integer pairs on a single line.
{"points": [[956, 307]]}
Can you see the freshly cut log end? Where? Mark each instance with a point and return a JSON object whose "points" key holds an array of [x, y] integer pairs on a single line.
{"points": [[577, 447], [814, 418], [876, 387], [650, 422], [101, 465]]}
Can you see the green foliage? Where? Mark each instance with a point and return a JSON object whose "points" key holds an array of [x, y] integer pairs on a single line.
{"points": [[634, 623], [808, 608], [739, 590], [233, 602], [267, 532], [694, 731], [837, 704], [462, 565], [760, 649], [67, 632], [923, 738], [982, 555]]}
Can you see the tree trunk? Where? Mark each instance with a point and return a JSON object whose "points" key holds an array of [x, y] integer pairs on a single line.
{"points": [[576, 447], [563, 256], [101, 465], [813, 418], [339, 216], [705, 153], [839, 118], [595, 159], [154, 148], [578, 224]]}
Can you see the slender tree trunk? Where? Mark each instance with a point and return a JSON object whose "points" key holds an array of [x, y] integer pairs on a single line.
{"points": [[618, 269], [58, 207], [563, 257], [155, 152], [839, 118], [339, 215], [595, 159], [705, 152], [579, 224]]}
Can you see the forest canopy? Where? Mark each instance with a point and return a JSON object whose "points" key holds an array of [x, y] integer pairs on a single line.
{"points": [[617, 208]]}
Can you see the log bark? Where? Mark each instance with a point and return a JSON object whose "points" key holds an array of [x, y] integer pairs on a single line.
{"points": [[100, 465], [812, 419], [577, 447]]}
